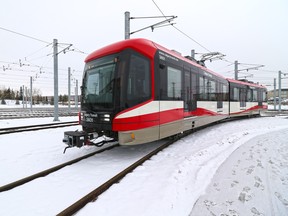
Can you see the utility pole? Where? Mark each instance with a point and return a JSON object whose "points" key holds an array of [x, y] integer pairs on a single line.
{"points": [[55, 55], [31, 93], [163, 23], [236, 70], [23, 95], [26, 100], [69, 89], [76, 94], [279, 91], [274, 94], [127, 25]]}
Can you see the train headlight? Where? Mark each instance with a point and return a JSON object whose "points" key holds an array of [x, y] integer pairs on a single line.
{"points": [[105, 117]]}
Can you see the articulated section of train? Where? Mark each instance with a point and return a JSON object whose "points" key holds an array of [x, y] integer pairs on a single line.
{"points": [[136, 91]]}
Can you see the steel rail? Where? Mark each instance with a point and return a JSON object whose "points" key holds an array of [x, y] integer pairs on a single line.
{"points": [[36, 127], [92, 196], [51, 170]]}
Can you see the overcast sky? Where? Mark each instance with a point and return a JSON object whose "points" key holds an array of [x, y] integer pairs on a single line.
{"points": [[253, 32]]}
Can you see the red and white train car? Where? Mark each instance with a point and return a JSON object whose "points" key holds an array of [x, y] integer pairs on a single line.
{"points": [[136, 91], [246, 98]]}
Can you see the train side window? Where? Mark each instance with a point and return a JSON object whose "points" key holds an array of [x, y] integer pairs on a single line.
{"points": [[187, 90], [194, 86], [264, 95], [174, 86], [249, 95], [255, 95], [225, 93], [203, 86], [194, 91], [212, 90], [235, 94]]}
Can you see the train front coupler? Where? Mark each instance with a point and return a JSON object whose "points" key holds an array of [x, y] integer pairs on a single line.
{"points": [[81, 138]]}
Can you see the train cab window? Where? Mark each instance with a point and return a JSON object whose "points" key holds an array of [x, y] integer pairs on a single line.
{"points": [[138, 81], [174, 83]]}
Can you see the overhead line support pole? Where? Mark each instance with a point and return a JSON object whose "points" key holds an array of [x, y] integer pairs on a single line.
{"points": [[69, 89], [76, 95], [127, 25], [279, 91], [30, 93], [168, 19], [274, 94], [55, 55], [236, 70]]}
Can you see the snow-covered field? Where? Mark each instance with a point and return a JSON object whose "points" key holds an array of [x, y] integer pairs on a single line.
{"points": [[234, 168]]}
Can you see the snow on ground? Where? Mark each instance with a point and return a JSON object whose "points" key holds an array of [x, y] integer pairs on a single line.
{"points": [[252, 181], [178, 180], [30, 152], [234, 168]]}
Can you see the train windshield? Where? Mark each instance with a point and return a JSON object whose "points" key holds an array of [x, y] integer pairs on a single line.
{"points": [[98, 82]]}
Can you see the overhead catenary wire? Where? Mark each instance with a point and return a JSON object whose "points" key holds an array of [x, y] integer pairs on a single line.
{"points": [[181, 30], [24, 35], [223, 59], [26, 67]]}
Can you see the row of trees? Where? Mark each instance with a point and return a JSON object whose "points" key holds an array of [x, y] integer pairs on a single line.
{"points": [[10, 94], [37, 98]]}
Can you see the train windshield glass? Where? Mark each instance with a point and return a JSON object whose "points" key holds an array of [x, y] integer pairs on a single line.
{"points": [[98, 82]]}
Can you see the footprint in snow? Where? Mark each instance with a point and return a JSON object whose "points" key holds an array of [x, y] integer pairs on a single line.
{"points": [[258, 183], [255, 211], [250, 170], [259, 163], [234, 183], [283, 200], [244, 196]]}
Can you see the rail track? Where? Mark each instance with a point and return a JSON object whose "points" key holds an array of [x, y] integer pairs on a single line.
{"points": [[99, 189], [36, 127], [50, 170], [17, 113], [102, 185], [92, 196]]}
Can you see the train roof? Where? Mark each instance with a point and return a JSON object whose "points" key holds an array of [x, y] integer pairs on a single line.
{"points": [[246, 83], [144, 46], [148, 48], [179, 56]]}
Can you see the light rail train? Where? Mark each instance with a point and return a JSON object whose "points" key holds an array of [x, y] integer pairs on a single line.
{"points": [[136, 91]]}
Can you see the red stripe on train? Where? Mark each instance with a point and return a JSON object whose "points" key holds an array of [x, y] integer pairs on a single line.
{"points": [[147, 120], [251, 109]]}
